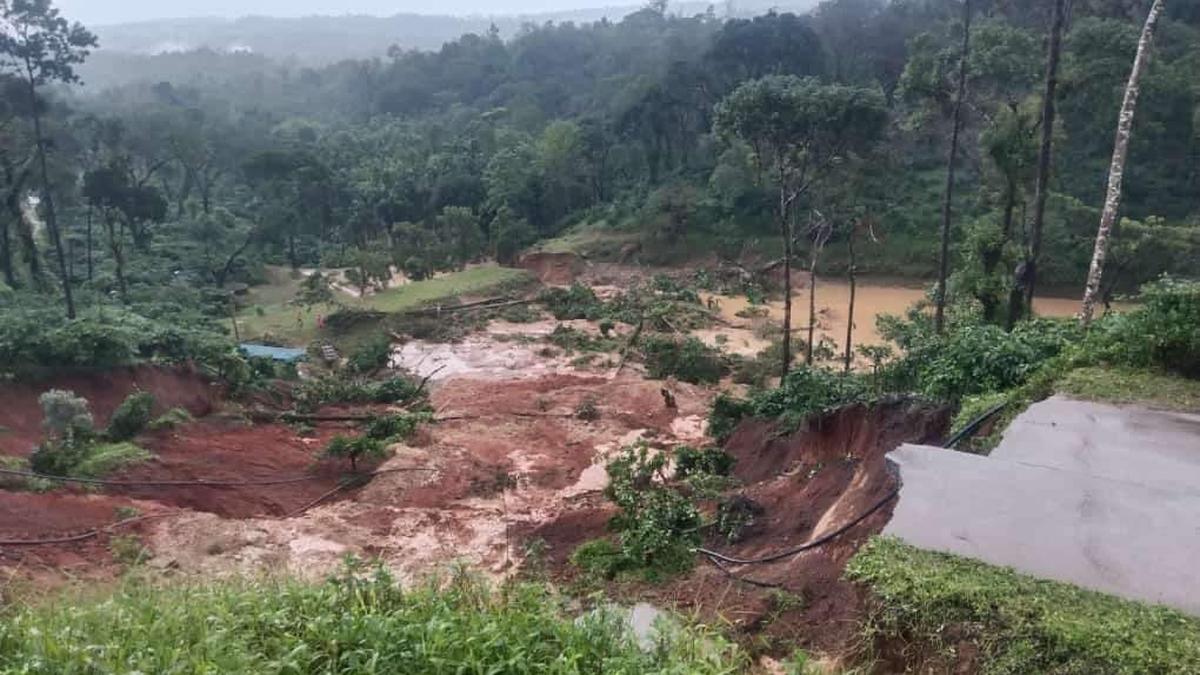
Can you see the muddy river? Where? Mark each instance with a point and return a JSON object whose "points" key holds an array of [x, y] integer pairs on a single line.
{"points": [[872, 299]]}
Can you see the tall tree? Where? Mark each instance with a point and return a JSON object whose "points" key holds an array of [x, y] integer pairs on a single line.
{"points": [[799, 128], [41, 47], [1027, 278], [1116, 171], [951, 161]]}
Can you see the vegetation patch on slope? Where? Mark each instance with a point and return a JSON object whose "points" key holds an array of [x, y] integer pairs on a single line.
{"points": [[353, 623], [936, 603], [1126, 385]]}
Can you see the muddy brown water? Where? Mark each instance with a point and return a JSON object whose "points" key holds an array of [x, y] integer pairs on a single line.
{"points": [[873, 298]]}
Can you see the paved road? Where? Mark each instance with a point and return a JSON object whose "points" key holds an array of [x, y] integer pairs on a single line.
{"points": [[1104, 497]]}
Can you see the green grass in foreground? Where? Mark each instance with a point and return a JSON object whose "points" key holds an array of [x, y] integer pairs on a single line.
{"points": [[1123, 385], [293, 325], [346, 625], [1021, 624]]}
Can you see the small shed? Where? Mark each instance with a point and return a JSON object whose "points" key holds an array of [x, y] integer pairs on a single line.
{"points": [[284, 354]]}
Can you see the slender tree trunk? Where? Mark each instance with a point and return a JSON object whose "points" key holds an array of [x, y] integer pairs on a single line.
{"points": [[6, 253], [48, 198], [90, 268], [812, 308], [1044, 155], [786, 231], [1116, 172], [116, 246], [850, 312], [939, 319]]}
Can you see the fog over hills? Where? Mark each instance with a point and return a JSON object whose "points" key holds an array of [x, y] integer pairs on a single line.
{"points": [[318, 39]]}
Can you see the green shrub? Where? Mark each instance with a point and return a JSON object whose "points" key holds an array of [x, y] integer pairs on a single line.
{"points": [[688, 360], [372, 355], [713, 461], [658, 526], [357, 622], [971, 358], [804, 392], [725, 414], [576, 302], [169, 420], [600, 559], [312, 394], [65, 416], [939, 603], [356, 449], [100, 459], [131, 417], [398, 427], [1164, 332]]}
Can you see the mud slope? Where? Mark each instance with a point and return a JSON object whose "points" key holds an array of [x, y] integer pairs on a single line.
{"points": [[809, 482], [21, 414]]}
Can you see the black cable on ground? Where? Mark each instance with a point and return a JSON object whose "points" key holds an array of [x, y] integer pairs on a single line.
{"points": [[973, 425], [355, 481], [191, 483], [85, 535], [753, 582], [819, 541]]}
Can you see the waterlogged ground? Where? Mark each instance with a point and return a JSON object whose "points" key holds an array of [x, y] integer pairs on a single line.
{"points": [[873, 298]]}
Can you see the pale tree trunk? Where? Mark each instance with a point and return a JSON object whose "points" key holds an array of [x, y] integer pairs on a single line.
{"points": [[786, 231], [939, 319], [850, 311], [1044, 155], [1112, 199]]}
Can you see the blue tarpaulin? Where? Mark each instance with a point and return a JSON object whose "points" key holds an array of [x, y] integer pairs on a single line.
{"points": [[285, 354]]}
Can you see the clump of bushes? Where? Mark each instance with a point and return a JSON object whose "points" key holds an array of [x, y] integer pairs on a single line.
{"points": [[73, 448], [691, 461], [804, 392], [131, 417], [380, 432], [397, 427], [688, 360], [658, 526], [578, 301], [169, 420], [372, 355], [355, 449], [1163, 333], [312, 394], [571, 340]]}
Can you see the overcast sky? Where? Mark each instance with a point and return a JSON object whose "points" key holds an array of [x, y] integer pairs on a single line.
{"points": [[99, 12]]}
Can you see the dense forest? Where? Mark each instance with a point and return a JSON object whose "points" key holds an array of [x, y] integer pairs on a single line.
{"points": [[154, 195]]}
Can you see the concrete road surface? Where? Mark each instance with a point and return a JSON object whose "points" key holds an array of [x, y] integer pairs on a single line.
{"points": [[1104, 497]]}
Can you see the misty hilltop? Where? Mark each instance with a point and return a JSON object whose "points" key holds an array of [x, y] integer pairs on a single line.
{"points": [[319, 40]]}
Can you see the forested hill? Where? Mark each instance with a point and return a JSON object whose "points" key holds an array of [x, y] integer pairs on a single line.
{"points": [[321, 40], [428, 159]]}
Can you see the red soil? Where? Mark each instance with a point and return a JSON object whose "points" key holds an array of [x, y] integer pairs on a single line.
{"points": [[21, 414], [232, 451], [553, 268], [809, 482]]}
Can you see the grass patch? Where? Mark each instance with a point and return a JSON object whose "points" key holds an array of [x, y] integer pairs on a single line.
{"points": [[283, 322], [355, 623], [936, 601], [102, 459], [174, 417], [1125, 385]]}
